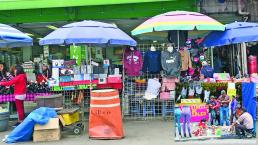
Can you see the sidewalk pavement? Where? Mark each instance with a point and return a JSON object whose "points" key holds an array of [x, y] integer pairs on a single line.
{"points": [[138, 133]]}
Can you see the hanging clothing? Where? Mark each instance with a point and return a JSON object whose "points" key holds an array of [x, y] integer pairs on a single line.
{"points": [[168, 84], [186, 60], [207, 71], [171, 63], [152, 62], [186, 117], [191, 92], [198, 90], [153, 88], [177, 119], [206, 96], [183, 92], [132, 62]]}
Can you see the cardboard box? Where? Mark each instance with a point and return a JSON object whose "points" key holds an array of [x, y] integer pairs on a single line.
{"points": [[47, 132]]}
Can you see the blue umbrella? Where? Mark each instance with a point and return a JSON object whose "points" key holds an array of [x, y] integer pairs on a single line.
{"points": [[88, 32], [237, 32], [11, 37]]}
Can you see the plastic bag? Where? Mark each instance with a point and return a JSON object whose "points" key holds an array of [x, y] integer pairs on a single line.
{"points": [[24, 131]]}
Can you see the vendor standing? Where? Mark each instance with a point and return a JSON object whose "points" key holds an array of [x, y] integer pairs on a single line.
{"points": [[244, 123], [233, 107], [19, 83], [224, 101]]}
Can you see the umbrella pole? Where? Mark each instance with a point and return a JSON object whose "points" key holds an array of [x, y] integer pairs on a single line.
{"points": [[245, 58], [212, 64], [177, 39]]}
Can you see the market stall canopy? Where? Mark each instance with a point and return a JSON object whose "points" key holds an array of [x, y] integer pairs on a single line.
{"points": [[237, 32], [11, 37], [88, 32], [178, 20]]}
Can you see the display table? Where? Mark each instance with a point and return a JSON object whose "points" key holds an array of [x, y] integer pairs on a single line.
{"points": [[29, 97], [117, 86]]}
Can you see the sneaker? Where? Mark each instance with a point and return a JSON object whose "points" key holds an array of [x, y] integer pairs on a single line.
{"points": [[16, 124]]}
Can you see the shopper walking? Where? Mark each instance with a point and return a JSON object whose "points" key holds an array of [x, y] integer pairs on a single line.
{"points": [[19, 83], [224, 101]]}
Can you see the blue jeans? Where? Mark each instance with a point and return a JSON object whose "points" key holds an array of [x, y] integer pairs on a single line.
{"points": [[177, 119], [224, 115]]}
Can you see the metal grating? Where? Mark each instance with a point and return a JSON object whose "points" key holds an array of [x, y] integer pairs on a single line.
{"points": [[135, 107]]}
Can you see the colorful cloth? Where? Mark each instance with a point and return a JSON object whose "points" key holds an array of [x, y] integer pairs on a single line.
{"points": [[29, 97]]}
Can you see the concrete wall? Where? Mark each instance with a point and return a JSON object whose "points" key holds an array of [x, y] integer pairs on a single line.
{"points": [[230, 8]]}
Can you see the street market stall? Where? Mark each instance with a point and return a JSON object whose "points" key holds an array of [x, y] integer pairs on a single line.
{"points": [[94, 72]]}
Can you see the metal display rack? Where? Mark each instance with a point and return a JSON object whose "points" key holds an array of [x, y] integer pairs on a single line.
{"points": [[135, 107]]}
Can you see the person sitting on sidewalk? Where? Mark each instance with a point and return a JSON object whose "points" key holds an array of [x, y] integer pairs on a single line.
{"points": [[244, 125]]}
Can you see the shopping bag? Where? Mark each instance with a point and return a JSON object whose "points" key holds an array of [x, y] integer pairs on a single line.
{"points": [[105, 121]]}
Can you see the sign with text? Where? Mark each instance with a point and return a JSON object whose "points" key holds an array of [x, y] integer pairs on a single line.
{"points": [[198, 112]]}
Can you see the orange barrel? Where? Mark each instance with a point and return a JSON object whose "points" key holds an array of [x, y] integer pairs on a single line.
{"points": [[105, 121]]}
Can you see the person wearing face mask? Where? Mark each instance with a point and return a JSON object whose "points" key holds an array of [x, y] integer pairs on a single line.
{"points": [[19, 83]]}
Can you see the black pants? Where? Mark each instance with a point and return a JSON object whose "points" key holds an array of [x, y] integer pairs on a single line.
{"points": [[241, 130]]}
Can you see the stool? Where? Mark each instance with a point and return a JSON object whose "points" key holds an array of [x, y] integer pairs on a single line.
{"points": [[149, 107], [165, 109]]}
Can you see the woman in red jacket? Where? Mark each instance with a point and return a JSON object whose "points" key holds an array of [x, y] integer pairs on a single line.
{"points": [[19, 83]]}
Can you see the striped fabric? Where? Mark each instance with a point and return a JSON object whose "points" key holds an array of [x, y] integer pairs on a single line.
{"points": [[178, 20], [29, 97], [11, 37]]}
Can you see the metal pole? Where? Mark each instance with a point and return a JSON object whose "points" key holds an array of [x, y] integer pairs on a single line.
{"points": [[212, 62], [233, 54], [245, 58], [177, 39]]}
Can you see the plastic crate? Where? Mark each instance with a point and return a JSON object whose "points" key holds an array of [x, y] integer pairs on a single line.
{"points": [[70, 116]]}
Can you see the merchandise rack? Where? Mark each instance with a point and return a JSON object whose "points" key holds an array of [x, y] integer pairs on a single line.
{"points": [[135, 107], [71, 98]]}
